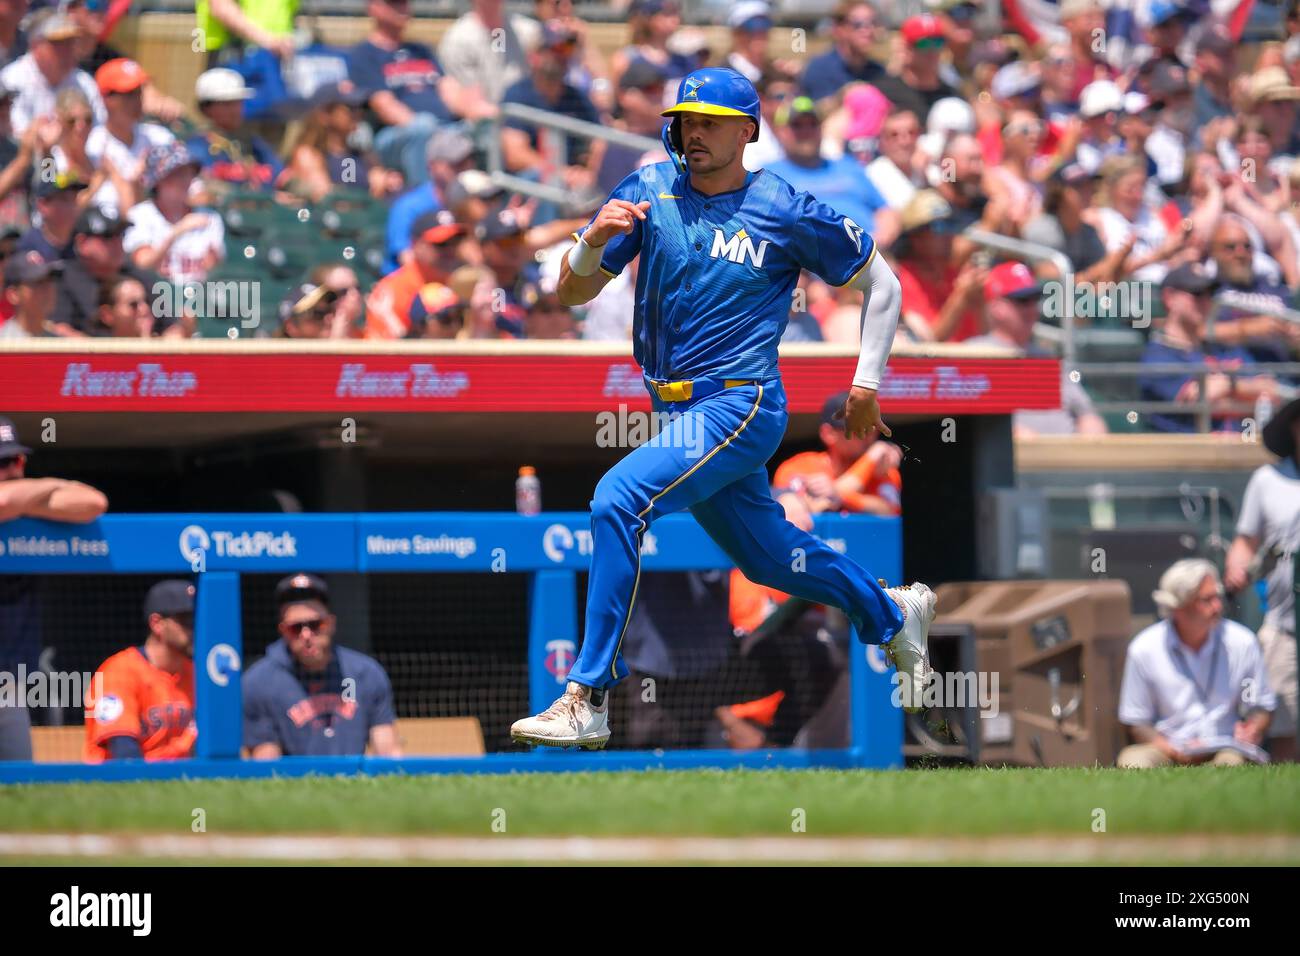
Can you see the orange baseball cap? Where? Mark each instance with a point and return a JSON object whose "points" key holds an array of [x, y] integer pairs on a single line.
{"points": [[120, 76]]}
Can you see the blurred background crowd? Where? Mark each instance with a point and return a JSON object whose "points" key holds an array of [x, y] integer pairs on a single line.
{"points": [[1139, 152]]}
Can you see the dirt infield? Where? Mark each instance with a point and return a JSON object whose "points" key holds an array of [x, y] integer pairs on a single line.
{"points": [[1095, 848]]}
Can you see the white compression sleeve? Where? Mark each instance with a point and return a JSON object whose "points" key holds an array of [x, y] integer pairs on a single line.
{"points": [[882, 299], [584, 260]]}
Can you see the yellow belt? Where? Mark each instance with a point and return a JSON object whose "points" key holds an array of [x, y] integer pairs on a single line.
{"points": [[682, 391]]}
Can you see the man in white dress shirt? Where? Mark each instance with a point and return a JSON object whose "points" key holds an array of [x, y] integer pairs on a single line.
{"points": [[1193, 680]]}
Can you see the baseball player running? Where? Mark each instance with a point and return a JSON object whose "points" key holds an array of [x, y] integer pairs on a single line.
{"points": [[721, 251]]}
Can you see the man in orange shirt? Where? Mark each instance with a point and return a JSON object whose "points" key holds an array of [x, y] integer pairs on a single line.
{"points": [[435, 254], [141, 701]]}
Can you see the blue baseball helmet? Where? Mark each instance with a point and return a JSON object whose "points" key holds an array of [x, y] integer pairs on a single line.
{"points": [[714, 91]]}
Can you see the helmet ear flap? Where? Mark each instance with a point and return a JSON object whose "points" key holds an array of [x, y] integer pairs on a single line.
{"points": [[675, 134], [672, 143]]}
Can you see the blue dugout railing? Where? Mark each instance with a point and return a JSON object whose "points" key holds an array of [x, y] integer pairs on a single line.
{"points": [[552, 548]]}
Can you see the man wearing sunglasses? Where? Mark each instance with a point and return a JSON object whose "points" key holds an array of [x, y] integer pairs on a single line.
{"points": [[1232, 387], [308, 697], [918, 86], [141, 702], [54, 499], [849, 59]]}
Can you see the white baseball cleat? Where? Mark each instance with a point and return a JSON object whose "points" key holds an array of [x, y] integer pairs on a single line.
{"points": [[572, 721], [909, 649]]}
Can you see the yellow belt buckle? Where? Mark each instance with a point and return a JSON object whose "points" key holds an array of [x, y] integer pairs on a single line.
{"points": [[735, 382], [675, 391]]}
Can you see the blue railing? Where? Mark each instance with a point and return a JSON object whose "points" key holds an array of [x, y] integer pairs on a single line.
{"points": [[551, 548]]}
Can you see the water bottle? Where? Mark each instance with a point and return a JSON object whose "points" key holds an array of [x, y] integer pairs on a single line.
{"points": [[528, 492]]}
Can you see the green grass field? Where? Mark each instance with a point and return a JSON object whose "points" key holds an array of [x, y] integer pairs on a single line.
{"points": [[1254, 809]]}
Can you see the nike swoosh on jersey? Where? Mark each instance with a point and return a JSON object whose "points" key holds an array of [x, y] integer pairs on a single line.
{"points": [[668, 196]]}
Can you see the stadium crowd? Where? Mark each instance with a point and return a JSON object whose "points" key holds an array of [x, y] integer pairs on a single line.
{"points": [[351, 184]]}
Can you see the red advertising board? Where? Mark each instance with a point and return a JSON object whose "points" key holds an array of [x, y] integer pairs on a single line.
{"points": [[233, 381]]}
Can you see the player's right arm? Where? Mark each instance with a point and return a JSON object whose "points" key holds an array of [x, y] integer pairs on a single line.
{"points": [[617, 218]]}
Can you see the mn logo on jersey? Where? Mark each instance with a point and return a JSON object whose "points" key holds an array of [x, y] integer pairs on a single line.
{"points": [[738, 248]]}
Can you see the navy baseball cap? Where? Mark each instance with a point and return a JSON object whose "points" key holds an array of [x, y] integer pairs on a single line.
{"points": [[170, 598], [43, 188], [99, 221], [9, 443], [833, 406], [436, 227], [501, 224], [302, 587], [717, 91], [30, 266]]}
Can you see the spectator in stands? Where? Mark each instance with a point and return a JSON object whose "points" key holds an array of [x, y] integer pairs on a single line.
{"points": [[640, 99], [652, 23], [546, 317], [1126, 219], [76, 121], [436, 242], [56, 201], [13, 41], [588, 71], [17, 154], [1187, 293], [1012, 305], [1272, 97], [897, 173], [124, 310], [167, 234], [1215, 67], [960, 184], [98, 259], [1171, 92], [507, 254], [941, 301], [949, 117], [29, 288], [141, 703], [546, 88], [229, 25], [342, 280], [1264, 337], [1084, 21], [1057, 101], [48, 68], [227, 151], [1069, 194], [486, 49], [119, 146], [437, 312], [311, 697], [1268, 537], [449, 153], [1013, 183], [841, 184], [310, 311], [320, 157], [917, 86], [410, 95], [751, 24], [1195, 688], [51, 499], [93, 51], [1100, 106], [853, 34]]}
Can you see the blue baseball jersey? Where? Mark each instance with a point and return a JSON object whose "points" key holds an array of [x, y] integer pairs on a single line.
{"points": [[717, 273]]}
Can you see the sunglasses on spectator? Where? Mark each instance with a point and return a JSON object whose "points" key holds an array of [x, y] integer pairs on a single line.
{"points": [[79, 120], [1023, 129], [295, 627], [136, 303], [11, 460], [1233, 246], [860, 23]]}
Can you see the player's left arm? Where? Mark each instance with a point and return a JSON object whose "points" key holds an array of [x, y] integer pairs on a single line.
{"points": [[837, 249], [383, 732]]}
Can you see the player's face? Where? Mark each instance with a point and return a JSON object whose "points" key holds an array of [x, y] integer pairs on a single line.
{"points": [[308, 629], [713, 142], [176, 631]]}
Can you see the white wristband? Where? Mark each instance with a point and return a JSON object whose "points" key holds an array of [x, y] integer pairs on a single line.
{"points": [[584, 260]]}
